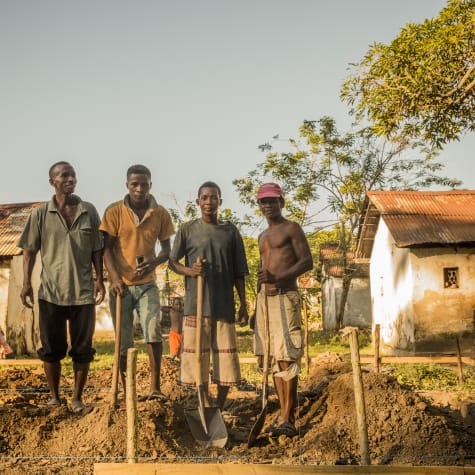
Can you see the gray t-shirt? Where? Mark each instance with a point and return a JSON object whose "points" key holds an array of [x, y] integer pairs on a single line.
{"points": [[222, 247]]}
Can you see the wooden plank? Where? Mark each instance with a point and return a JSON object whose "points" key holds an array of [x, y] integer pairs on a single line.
{"points": [[251, 360], [420, 359], [23, 362], [268, 469], [396, 359]]}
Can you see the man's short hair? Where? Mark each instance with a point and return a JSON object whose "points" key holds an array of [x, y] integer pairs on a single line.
{"points": [[209, 184], [57, 164], [139, 170]]}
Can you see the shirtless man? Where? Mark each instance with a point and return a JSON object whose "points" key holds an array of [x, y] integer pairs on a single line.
{"points": [[285, 255], [176, 324]]}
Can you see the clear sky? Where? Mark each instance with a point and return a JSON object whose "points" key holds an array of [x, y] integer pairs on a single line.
{"points": [[189, 88]]}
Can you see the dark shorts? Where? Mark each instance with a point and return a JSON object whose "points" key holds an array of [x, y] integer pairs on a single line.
{"points": [[53, 332]]}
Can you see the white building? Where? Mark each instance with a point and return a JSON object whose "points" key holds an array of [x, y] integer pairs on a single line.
{"points": [[421, 250]]}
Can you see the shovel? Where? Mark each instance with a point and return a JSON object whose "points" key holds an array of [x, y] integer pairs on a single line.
{"points": [[257, 427], [206, 423], [115, 367]]}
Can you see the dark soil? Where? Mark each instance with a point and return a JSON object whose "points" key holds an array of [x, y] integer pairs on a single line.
{"points": [[404, 428]]}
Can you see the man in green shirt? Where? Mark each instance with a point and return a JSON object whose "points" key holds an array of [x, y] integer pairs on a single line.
{"points": [[66, 232]]}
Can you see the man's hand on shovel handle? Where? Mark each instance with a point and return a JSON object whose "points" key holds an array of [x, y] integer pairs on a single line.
{"points": [[197, 268]]}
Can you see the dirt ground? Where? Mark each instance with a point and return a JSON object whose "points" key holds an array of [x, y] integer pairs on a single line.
{"points": [[404, 428]]}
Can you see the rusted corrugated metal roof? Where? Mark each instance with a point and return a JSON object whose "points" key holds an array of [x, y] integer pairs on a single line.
{"points": [[331, 257], [419, 218], [12, 221]]}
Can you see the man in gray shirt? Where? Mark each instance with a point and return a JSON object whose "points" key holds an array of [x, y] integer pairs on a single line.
{"points": [[222, 262]]}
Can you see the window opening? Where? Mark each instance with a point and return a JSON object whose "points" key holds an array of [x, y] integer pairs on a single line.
{"points": [[451, 277]]}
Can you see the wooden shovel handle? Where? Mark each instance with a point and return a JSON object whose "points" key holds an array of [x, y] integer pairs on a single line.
{"points": [[265, 368], [115, 368], [199, 325]]}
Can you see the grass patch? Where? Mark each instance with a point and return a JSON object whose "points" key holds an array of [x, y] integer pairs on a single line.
{"points": [[320, 341], [434, 377]]}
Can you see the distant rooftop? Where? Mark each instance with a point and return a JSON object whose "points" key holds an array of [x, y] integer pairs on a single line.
{"points": [[12, 221]]}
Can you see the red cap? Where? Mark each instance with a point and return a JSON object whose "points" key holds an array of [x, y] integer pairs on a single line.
{"points": [[269, 190]]}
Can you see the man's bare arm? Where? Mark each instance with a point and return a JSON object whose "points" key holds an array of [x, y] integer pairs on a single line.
{"points": [[181, 269], [147, 266], [304, 262], [26, 294], [117, 285], [99, 290], [240, 284]]}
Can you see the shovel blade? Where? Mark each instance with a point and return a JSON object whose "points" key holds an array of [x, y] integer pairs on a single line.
{"points": [[259, 424], [213, 432], [257, 427]]}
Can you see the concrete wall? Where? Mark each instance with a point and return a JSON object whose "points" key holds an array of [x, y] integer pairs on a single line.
{"points": [[392, 293], [22, 328], [4, 276], [440, 313], [358, 304], [331, 297]]}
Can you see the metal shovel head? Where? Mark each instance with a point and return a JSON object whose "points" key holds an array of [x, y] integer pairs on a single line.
{"points": [[213, 432], [259, 424]]}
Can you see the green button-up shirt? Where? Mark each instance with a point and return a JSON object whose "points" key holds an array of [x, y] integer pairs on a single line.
{"points": [[66, 253]]}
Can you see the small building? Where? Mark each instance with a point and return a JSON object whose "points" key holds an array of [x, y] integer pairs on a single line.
{"points": [[357, 312], [420, 246], [18, 323]]}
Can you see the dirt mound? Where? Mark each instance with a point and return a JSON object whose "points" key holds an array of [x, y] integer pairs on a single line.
{"points": [[403, 427]]}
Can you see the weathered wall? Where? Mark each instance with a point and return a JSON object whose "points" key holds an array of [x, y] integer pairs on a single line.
{"points": [[331, 297], [358, 304], [391, 292], [4, 276], [22, 328], [440, 313]]}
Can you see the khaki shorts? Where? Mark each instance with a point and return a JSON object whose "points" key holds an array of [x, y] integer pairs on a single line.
{"points": [[217, 338], [285, 331]]}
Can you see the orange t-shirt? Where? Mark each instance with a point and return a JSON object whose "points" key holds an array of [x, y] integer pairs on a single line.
{"points": [[134, 237]]}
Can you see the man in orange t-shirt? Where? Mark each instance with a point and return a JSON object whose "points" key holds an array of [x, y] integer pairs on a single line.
{"points": [[131, 229]]}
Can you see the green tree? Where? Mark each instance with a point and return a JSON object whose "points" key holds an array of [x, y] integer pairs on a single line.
{"points": [[423, 83], [325, 176]]}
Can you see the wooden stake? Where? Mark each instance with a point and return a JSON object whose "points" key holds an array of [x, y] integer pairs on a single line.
{"points": [[359, 397], [459, 360], [376, 339], [305, 322], [131, 405]]}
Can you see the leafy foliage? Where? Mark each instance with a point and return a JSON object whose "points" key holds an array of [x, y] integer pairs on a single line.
{"points": [[325, 171], [328, 172], [423, 83]]}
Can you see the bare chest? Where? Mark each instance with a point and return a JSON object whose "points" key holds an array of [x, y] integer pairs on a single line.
{"points": [[274, 239]]}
